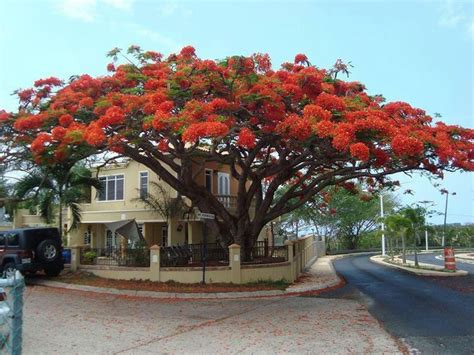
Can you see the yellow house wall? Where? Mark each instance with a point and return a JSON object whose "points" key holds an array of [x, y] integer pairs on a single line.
{"points": [[129, 207]]}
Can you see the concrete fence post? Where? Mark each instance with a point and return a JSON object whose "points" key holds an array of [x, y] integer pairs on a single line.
{"points": [[291, 260], [234, 263], [155, 263], [75, 257]]}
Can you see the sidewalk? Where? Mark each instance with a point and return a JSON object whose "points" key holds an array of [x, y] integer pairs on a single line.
{"points": [[321, 276]]}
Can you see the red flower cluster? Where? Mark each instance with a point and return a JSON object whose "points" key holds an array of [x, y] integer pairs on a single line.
{"points": [[113, 116], [330, 102], [204, 130], [48, 82], [316, 112], [301, 59], [406, 146], [38, 145], [188, 52], [94, 135], [65, 120], [246, 139], [4, 115], [360, 151], [32, 122], [295, 127]]}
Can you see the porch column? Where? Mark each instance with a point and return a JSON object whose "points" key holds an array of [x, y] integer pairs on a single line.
{"points": [[75, 257], [234, 263], [155, 263]]}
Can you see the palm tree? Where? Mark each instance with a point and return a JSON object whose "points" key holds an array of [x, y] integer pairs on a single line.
{"points": [[416, 216], [47, 187], [398, 224]]}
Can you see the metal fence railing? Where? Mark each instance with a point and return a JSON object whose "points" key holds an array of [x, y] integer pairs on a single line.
{"points": [[115, 256], [263, 252], [193, 255], [11, 313]]}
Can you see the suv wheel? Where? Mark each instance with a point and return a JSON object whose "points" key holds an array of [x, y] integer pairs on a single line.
{"points": [[47, 251], [9, 270]]}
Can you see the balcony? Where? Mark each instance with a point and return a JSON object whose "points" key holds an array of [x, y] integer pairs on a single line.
{"points": [[230, 202]]}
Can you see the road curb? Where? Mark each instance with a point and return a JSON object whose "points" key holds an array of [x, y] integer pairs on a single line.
{"points": [[298, 290], [378, 259]]}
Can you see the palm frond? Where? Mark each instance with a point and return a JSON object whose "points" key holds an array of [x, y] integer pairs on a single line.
{"points": [[76, 213]]}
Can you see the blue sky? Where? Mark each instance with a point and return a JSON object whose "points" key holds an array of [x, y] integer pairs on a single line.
{"points": [[415, 51]]}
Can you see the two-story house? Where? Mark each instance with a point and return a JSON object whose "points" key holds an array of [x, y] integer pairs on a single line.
{"points": [[119, 202]]}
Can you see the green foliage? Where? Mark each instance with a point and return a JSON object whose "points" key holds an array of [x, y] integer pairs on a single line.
{"points": [[51, 188], [345, 219], [159, 200], [88, 257]]}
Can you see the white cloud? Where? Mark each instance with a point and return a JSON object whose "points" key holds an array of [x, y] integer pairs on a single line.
{"points": [[165, 43], [452, 13], [455, 13], [88, 10], [85, 10], [171, 7], [125, 5], [470, 29]]}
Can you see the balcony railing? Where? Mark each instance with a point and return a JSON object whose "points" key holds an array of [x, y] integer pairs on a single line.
{"points": [[230, 201]]}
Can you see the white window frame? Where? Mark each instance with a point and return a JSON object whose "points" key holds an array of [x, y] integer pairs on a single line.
{"points": [[107, 177], [140, 182], [88, 237], [210, 171], [109, 236], [226, 176]]}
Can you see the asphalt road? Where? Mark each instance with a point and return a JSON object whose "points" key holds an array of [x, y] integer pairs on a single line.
{"points": [[432, 315]]}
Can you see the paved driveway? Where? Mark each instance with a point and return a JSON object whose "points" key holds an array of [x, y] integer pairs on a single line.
{"points": [[64, 321]]}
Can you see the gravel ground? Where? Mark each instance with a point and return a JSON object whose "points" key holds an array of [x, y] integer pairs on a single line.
{"points": [[73, 322]]}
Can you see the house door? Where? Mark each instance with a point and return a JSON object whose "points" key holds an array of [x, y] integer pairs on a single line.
{"points": [[223, 188]]}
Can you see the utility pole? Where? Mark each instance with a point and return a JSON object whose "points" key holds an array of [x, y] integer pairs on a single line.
{"points": [[382, 225], [444, 224], [426, 239]]}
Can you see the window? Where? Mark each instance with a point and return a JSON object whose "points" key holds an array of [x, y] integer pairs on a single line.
{"points": [[2, 240], [208, 180], [164, 236], [88, 237], [13, 239], [223, 185], [223, 188], [109, 239], [143, 184], [112, 188]]}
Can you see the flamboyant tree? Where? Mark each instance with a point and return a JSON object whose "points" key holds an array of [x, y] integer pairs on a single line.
{"points": [[300, 125]]}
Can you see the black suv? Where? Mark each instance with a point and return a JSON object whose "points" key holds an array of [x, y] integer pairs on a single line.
{"points": [[31, 250]]}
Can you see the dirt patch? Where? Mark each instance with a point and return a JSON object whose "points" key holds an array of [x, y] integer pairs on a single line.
{"points": [[89, 279]]}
